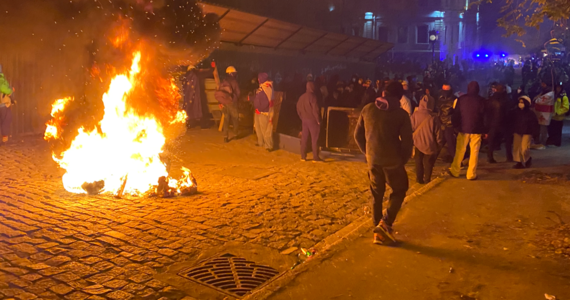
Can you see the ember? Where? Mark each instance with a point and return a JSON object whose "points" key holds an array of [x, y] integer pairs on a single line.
{"points": [[121, 156]]}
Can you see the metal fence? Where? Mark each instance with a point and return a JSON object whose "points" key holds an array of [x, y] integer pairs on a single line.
{"points": [[38, 80]]}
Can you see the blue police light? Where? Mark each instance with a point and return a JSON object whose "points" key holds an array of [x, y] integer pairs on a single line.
{"points": [[486, 55], [478, 55]]}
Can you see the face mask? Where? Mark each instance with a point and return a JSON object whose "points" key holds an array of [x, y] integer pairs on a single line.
{"points": [[521, 105]]}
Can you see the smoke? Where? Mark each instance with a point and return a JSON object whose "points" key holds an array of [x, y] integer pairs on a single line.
{"points": [[75, 45]]}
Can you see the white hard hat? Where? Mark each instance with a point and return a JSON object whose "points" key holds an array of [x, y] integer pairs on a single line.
{"points": [[230, 70], [191, 67]]}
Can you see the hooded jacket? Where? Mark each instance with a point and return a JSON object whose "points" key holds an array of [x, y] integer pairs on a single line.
{"points": [[524, 121], [426, 129], [307, 106], [262, 101], [445, 108], [384, 133], [469, 114]]}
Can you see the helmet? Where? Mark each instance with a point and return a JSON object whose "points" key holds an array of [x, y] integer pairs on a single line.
{"points": [[230, 70]]}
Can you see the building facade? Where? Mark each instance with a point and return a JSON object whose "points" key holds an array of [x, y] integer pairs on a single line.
{"points": [[408, 23]]}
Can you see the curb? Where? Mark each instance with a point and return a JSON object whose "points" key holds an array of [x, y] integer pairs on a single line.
{"points": [[324, 246]]}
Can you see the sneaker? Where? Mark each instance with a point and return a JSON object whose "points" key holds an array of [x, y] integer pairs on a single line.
{"points": [[529, 162], [491, 161], [420, 181], [537, 147], [518, 166], [378, 239], [472, 179], [226, 140], [385, 231], [303, 159]]}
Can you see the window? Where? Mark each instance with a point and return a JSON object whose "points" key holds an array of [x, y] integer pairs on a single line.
{"points": [[422, 34], [402, 35], [383, 34]]}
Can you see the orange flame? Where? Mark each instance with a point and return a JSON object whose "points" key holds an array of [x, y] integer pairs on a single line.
{"points": [[52, 125], [124, 152]]}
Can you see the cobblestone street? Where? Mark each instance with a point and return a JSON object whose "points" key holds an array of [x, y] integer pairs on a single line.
{"points": [[54, 244]]}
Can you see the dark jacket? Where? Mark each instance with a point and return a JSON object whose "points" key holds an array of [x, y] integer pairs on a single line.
{"points": [[229, 91], [469, 113], [426, 129], [495, 111], [384, 133], [524, 121], [445, 108], [307, 106]]}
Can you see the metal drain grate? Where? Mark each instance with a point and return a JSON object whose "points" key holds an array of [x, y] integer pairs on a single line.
{"points": [[230, 274]]}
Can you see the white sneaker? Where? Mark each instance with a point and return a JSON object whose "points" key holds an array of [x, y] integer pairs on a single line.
{"points": [[537, 147]]}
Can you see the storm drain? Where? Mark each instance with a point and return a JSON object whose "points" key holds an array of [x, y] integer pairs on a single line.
{"points": [[230, 274]]}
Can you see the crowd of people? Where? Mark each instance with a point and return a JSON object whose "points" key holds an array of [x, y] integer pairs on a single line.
{"points": [[389, 134]]}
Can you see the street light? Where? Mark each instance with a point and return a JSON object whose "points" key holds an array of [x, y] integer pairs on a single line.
{"points": [[433, 37]]}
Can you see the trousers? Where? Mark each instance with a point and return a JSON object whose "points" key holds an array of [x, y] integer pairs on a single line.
{"points": [[521, 147], [397, 178], [474, 142], [555, 133], [313, 129], [231, 114], [424, 166], [264, 131], [5, 121], [450, 140]]}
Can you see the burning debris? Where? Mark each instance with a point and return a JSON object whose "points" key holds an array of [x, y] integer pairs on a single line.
{"points": [[110, 133], [121, 156]]}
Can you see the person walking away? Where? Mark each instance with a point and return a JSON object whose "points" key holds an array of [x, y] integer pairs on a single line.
{"points": [[446, 104], [468, 118], [524, 126], [495, 120], [430, 100], [544, 108], [428, 137], [561, 107], [384, 134], [263, 104], [308, 110], [228, 96], [5, 110]]}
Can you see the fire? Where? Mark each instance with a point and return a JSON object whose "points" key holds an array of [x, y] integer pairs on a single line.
{"points": [[57, 107], [122, 155]]}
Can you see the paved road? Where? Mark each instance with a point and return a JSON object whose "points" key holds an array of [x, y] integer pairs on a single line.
{"points": [[486, 239], [57, 245]]}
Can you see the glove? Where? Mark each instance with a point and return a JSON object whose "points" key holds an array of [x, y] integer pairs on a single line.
{"points": [[213, 64]]}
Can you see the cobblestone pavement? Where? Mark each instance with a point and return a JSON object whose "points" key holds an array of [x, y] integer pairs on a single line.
{"points": [[56, 245]]}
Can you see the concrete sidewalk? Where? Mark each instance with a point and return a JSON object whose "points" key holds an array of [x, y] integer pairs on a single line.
{"points": [[484, 239]]}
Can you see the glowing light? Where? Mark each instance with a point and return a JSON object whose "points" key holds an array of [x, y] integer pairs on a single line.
{"points": [[122, 155]]}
